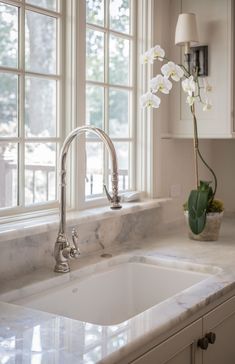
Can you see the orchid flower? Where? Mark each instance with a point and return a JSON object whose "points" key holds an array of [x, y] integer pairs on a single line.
{"points": [[159, 53], [190, 100], [160, 83], [172, 70], [189, 85], [153, 53], [148, 57], [150, 100]]}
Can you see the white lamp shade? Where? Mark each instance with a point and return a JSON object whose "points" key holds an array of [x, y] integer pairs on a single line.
{"points": [[186, 29]]}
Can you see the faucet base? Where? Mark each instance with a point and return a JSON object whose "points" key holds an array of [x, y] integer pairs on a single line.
{"points": [[62, 267]]}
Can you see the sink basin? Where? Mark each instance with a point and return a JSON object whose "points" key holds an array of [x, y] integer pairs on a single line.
{"points": [[116, 294]]}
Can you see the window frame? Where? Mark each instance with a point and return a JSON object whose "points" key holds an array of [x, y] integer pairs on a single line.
{"points": [[21, 210]]}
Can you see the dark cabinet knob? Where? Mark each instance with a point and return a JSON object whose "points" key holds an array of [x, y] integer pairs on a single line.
{"points": [[203, 343], [211, 336]]}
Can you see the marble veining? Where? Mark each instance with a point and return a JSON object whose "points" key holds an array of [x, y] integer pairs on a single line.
{"points": [[30, 336], [97, 230]]}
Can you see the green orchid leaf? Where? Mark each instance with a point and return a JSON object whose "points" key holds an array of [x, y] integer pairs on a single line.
{"points": [[204, 185], [197, 205]]}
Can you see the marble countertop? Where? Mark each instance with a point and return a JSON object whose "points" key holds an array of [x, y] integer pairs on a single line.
{"points": [[30, 336]]}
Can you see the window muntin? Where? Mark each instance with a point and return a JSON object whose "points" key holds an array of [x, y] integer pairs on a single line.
{"points": [[110, 90], [29, 103]]}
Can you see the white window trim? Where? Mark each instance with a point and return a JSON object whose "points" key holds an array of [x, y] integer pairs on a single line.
{"points": [[148, 150]]}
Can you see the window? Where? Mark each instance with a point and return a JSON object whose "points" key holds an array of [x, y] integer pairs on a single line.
{"points": [[30, 89], [110, 90], [33, 78]]}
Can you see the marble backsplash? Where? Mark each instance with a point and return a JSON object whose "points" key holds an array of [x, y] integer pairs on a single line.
{"points": [[27, 253]]}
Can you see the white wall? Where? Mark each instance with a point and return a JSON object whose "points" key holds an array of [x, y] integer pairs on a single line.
{"points": [[177, 168], [223, 160]]}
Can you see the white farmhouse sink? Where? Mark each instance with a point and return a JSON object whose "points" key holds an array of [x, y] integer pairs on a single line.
{"points": [[116, 294]]}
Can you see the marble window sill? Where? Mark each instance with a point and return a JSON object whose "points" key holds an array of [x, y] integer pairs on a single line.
{"points": [[37, 225]]}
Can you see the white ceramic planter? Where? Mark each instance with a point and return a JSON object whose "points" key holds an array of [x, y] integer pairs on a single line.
{"points": [[212, 228]]}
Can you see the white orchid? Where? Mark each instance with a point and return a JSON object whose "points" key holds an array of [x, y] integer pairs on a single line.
{"points": [[160, 83], [207, 105], [159, 53], [148, 57], [153, 53], [190, 100], [150, 100], [172, 70], [189, 85]]}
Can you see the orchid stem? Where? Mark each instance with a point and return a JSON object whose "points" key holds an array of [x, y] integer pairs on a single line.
{"points": [[197, 153], [196, 145]]}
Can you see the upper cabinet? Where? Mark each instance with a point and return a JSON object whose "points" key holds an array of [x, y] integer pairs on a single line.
{"points": [[215, 20]]}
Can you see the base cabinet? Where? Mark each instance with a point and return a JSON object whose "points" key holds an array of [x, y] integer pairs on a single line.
{"points": [[209, 340], [221, 321], [178, 349]]}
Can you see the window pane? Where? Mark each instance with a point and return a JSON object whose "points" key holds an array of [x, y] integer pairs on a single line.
{"points": [[8, 104], [120, 15], [95, 11], [40, 43], [117, 341], [39, 172], [95, 106], [47, 4], [123, 151], [118, 113], [40, 107], [8, 175], [94, 55], [94, 172], [119, 60], [8, 35], [94, 355]]}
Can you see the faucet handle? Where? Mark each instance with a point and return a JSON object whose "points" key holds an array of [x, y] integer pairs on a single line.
{"points": [[107, 193], [113, 200], [75, 252]]}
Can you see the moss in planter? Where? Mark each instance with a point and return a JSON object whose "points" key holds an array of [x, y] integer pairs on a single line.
{"points": [[214, 206]]}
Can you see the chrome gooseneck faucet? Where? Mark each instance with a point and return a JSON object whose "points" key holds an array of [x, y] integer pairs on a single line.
{"points": [[64, 250]]}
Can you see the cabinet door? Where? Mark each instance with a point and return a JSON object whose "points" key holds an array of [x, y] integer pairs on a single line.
{"points": [[221, 321], [181, 348]]}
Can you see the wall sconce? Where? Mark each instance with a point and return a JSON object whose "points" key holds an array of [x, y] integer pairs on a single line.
{"points": [[185, 34], [199, 60]]}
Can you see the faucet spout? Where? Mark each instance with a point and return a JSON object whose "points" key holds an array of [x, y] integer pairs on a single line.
{"points": [[63, 250]]}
